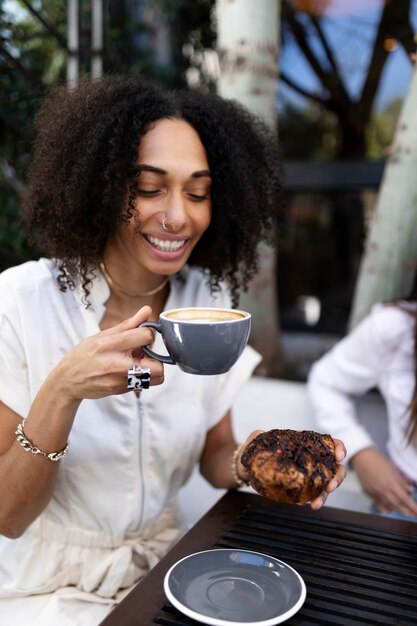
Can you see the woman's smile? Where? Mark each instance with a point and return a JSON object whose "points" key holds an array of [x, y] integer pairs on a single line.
{"points": [[164, 245], [166, 249], [173, 203]]}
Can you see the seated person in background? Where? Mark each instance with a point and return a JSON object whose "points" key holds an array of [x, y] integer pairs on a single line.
{"points": [[142, 200], [380, 352]]}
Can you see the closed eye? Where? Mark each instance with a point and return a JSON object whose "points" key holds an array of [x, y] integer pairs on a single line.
{"points": [[148, 193], [197, 198]]}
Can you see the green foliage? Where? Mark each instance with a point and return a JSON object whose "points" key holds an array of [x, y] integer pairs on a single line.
{"points": [[308, 134], [380, 131], [33, 59], [312, 133], [30, 61]]}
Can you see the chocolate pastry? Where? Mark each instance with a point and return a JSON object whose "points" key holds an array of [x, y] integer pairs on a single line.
{"points": [[289, 465]]}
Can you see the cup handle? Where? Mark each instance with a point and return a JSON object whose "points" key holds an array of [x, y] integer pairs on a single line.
{"points": [[159, 357]]}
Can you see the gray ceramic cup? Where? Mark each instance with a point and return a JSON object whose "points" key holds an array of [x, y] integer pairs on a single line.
{"points": [[202, 340]]}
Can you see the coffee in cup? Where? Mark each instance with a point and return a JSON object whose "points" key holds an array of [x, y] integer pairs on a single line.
{"points": [[201, 340]]}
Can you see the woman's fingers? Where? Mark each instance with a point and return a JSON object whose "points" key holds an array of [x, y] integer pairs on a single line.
{"points": [[157, 370], [333, 484], [115, 380], [98, 366], [252, 436], [338, 478], [340, 450], [243, 471], [129, 340], [398, 500], [123, 362], [318, 502], [142, 315]]}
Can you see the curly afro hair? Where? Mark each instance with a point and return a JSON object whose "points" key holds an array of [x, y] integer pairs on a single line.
{"points": [[84, 168]]}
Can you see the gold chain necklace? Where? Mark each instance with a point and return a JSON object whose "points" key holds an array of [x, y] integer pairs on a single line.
{"points": [[141, 294]]}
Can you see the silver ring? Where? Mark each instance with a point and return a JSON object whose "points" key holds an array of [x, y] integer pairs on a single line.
{"points": [[164, 224], [138, 377]]}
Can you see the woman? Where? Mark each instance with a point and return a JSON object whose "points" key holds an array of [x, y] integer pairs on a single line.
{"points": [[142, 200], [379, 352]]}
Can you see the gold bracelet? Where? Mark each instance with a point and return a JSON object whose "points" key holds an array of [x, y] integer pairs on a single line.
{"points": [[235, 456], [28, 446]]}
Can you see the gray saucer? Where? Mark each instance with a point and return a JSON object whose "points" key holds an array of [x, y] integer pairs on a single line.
{"points": [[226, 587]]}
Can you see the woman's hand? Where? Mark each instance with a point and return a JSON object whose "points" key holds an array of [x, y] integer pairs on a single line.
{"points": [[97, 367], [242, 472], [383, 483], [317, 503], [338, 478]]}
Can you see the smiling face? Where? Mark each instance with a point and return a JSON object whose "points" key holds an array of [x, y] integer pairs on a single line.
{"points": [[174, 183]]}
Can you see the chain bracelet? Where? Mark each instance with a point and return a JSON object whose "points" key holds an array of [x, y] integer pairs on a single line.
{"points": [[28, 446]]}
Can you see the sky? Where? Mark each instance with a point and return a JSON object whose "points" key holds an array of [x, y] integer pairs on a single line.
{"points": [[350, 28]]}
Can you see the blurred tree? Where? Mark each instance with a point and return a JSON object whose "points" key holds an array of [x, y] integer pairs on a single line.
{"points": [[163, 39], [309, 133], [381, 128], [158, 38], [31, 58], [248, 44], [312, 132], [303, 21], [192, 35], [389, 263]]}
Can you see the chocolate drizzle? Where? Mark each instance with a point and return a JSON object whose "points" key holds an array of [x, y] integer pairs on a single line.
{"points": [[289, 465]]}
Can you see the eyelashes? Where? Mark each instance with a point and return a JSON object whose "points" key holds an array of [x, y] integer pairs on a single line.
{"points": [[197, 198], [145, 193]]}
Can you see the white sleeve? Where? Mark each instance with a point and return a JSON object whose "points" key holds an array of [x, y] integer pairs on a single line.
{"points": [[222, 390], [352, 367], [14, 386], [230, 384]]}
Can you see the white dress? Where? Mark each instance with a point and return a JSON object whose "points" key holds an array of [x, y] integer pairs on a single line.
{"points": [[379, 353], [113, 513]]}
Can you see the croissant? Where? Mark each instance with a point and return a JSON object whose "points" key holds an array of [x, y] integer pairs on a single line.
{"points": [[289, 465]]}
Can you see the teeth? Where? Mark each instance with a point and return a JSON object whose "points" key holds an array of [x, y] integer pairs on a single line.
{"points": [[168, 246]]}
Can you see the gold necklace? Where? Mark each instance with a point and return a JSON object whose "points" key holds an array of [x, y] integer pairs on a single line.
{"points": [[142, 294]]}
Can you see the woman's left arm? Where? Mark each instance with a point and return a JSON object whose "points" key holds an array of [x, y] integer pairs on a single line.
{"points": [[217, 455], [216, 458]]}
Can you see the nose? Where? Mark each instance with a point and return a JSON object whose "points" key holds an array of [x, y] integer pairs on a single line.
{"points": [[176, 212]]}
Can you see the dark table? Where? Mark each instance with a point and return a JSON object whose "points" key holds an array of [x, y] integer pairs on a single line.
{"points": [[358, 568]]}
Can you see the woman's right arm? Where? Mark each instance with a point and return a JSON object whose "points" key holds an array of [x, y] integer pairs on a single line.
{"points": [[353, 367], [95, 368], [383, 483], [350, 368]]}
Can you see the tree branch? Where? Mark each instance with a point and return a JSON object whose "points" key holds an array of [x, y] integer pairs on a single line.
{"points": [[27, 73], [308, 94], [49, 27], [7, 176], [328, 80], [405, 36], [330, 56], [394, 12]]}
